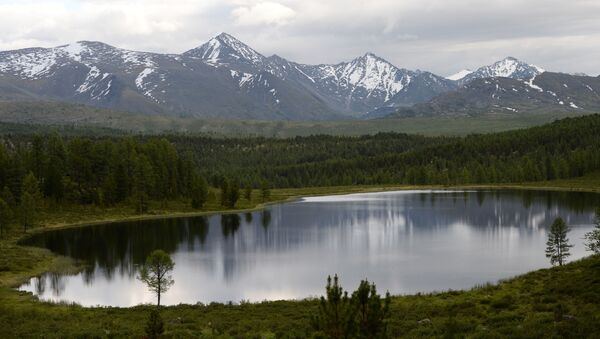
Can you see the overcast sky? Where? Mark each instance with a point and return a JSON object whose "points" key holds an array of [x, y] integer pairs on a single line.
{"points": [[442, 36]]}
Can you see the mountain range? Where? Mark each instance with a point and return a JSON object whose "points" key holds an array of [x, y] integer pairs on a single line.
{"points": [[226, 79]]}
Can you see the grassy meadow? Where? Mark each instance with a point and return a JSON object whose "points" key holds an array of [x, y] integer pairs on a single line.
{"points": [[559, 302]]}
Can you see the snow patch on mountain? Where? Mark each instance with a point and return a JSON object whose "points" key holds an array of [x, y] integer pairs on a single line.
{"points": [[29, 64], [530, 84], [87, 84], [147, 86], [245, 78], [459, 75], [139, 81]]}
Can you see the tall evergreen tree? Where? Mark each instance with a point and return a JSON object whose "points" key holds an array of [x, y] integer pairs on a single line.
{"points": [[265, 191], [372, 311], [199, 192], [155, 326], [143, 178], [225, 192], [5, 216], [8, 197], [233, 195], [31, 201], [557, 246], [592, 238], [336, 314], [248, 193]]}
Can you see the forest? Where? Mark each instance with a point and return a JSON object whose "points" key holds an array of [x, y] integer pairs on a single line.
{"points": [[108, 170]]}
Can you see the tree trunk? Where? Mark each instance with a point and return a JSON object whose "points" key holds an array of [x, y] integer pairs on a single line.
{"points": [[158, 295]]}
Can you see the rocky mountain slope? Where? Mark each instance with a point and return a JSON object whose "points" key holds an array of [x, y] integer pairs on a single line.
{"points": [[549, 92], [222, 78], [227, 79], [507, 68]]}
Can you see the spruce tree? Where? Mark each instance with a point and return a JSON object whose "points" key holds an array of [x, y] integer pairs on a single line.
{"points": [[265, 191], [592, 238], [199, 192], [155, 326], [143, 177], [233, 195], [31, 201], [224, 192], [5, 216], [248, 193], [557, 246], [336, 313], [372, 311]]}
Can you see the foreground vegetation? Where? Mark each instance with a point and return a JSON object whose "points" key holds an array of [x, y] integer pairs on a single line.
{"points": [[562, 302], [558, 302], [77, 181]]}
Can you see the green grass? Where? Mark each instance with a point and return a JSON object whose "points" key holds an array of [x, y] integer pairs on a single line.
{"points": [[521, 307]]}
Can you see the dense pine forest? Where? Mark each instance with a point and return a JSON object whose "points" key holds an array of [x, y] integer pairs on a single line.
{"points": [[563, 149], [107, 170]]}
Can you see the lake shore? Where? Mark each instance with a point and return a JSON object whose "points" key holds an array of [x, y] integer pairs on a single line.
{"points": [[27, 262]]}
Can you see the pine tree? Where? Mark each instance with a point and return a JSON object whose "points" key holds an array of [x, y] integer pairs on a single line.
{"points": [[265, 191], [28, 211], [233, 195], [224, 192], [5, 216], [557, 246], [155, 325], [372, 311], [31, 201], [156, 273], [8, 197], [593, 237], [199, 192], [336, 314], [143, 177]]}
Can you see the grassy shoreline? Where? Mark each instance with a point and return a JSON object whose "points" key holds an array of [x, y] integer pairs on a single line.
{"points": [[271, 319], [589, 183]]}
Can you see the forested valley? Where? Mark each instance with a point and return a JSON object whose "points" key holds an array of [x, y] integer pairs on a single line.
{"points": [[107, 170]]}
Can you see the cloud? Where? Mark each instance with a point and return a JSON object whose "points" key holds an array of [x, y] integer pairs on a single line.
{"points": [[263, 13], [437, 35]]}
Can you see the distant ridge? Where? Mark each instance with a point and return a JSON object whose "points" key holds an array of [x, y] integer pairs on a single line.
{"points": [[226, 79]]}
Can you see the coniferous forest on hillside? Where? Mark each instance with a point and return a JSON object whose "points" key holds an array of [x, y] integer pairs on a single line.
{"points": [[109, 170]]}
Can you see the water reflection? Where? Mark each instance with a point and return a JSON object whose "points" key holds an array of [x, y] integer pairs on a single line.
{"points": [[404, 241]]}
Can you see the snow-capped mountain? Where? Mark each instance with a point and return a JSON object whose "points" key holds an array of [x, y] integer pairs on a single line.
{"points": [[224, 49], [506, 68], [546, 92], [366, 83], [225, 78], [221, 78]]}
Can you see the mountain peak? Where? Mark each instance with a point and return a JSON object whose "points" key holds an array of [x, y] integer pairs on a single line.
{"points": [[509, 67], [226, 37], [226, 49]]}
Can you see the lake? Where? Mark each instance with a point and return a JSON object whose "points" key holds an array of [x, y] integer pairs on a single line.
{"points": [[405, 242]]}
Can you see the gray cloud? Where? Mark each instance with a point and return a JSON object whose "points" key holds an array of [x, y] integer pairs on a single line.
{"points": [[437, 35]]}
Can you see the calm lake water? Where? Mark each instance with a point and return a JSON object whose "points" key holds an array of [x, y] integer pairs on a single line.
{"points": [[405, 242]]}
